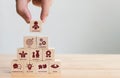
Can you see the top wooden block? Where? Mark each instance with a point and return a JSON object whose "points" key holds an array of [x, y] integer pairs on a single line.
{"points": [[35, 26]]}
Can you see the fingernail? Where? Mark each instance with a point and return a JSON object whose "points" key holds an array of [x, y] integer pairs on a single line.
{"points": [[27, 21], [43, 20]]}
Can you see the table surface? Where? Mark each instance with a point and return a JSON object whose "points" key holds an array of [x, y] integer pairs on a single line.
{"points": [[73, 65]]}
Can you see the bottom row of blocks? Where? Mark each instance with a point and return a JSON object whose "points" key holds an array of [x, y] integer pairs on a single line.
{"points": [[36, 66]]}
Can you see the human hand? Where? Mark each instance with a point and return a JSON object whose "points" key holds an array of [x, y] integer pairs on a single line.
{"points": [[23, 11], [45, 5]]}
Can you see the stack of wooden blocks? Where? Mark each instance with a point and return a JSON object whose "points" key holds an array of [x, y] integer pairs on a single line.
{"points": [[36, 56]]}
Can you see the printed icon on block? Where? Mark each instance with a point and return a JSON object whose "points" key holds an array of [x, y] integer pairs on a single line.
{"points": [[48, 54], [23, 54], [35, 26], [35, 54], [42, 42], [55, 66], [30, 42], [29, 67], [17, 66], [42, 67]]}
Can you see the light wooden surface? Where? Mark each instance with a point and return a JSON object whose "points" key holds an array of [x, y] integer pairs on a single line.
{"points": [[73, 66]]}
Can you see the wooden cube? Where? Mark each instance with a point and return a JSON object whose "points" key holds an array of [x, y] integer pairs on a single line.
{"points": [[55, 66], [17, 66], [35, 54], [29, 67], [35, 26], [48, 54], [23, 54], [42, 67], [42, 42], [30, 42]]}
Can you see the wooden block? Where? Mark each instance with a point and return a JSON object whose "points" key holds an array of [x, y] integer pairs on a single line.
{"points": [[35, 54], [42, 67], [30, 42], [48, 54], [23, 54], [42, 42], [35, 26], [17, 66], [29, 67], [55, 66]]}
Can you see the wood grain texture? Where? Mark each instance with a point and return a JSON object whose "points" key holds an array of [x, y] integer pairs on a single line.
{"points": [[73, 65]]}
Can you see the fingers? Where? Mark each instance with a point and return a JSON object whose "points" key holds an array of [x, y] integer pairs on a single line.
{"points": [[26, 15], [45, 5], [36, 2], [45, 11], [22, 9]]}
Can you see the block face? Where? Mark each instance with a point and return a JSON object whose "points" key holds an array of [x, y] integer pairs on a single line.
{"points": [[35, 54], [29, 67], [48, 54], [35, 26], [42, 42], [55, 66], [42, 67], [17, 66], [29, 42], [23, 54]]}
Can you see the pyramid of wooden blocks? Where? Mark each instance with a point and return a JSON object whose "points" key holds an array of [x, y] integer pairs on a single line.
{"points": [[35, 56]]}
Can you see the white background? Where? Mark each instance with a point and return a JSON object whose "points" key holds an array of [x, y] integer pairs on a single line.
{"points": [[73, 26]]}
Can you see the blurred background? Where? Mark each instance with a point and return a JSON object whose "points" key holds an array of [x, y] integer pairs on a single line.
{"points": [[73, 26]]}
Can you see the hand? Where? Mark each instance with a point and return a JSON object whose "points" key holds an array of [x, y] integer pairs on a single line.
{"points": [[23, 11], [45, 5]]}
